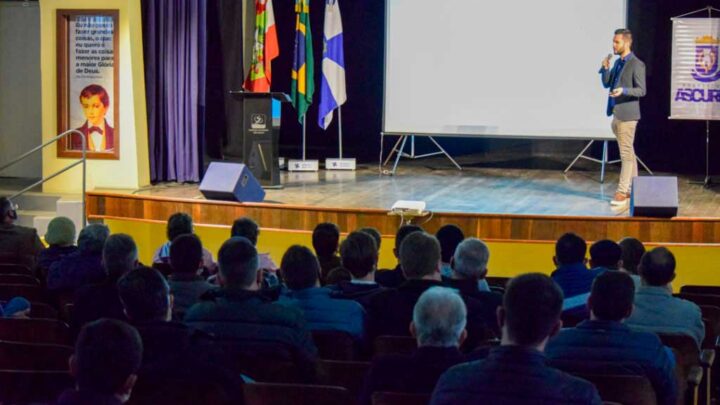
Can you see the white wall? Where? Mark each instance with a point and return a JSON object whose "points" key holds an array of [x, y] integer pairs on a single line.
{"points": [[20, 114]]}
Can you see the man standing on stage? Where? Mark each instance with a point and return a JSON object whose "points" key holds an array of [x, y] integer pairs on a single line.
{"points": [[626, 81]]}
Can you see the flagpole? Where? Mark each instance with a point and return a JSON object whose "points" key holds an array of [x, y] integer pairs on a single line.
{"points": [[303, 148], [340, 136]]}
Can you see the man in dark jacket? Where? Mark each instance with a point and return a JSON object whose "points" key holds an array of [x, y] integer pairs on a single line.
{"points": [[105, 364], [102, 300], [84, 266], [173, 353], [516, 372], [438, 325], [604, 340], [17, 243], [240, 313], [393, 278]]}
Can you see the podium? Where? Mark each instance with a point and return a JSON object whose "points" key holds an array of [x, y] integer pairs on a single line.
{"points": [[261, 134]]}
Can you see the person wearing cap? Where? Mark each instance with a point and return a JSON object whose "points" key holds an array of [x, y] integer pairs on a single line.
{"points": [[60, 237]]}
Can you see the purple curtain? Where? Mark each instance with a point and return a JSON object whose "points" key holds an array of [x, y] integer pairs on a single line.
{"points": [[174, 49]]}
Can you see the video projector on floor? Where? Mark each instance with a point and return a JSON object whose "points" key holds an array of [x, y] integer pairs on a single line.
{"points": [[406, 207]]}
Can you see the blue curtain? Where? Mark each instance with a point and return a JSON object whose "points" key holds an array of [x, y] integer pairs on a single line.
{"points": [[174, 33]]}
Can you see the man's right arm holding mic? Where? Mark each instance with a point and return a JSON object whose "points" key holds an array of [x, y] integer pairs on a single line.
{"points": [[605, 71]]}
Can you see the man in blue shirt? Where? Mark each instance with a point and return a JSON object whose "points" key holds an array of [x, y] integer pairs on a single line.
{"points": [[605, 345], [656, 310], [301, 271], [572, 274], [516, 372]]}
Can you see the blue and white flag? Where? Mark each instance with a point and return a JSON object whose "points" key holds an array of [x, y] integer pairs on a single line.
{"points": [[332, 87]]}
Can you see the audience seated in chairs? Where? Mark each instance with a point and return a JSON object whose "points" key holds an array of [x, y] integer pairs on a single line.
{"points": [[516, 371], [60, 236], [656, 310], [359, 255], [84, 266], [300, 270], [468, 271], [571, 273], [632, 252], [325, 240], [603, 343], [107, 358], [178, 224], [102, 300], [186, 284], [449, 236], [172, 352], [247, 228], [395, 277], [438, 325], [240, 313], [18, 244]]}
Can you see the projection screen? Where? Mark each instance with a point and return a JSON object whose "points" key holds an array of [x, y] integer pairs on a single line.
{"points": [[498, 68]]}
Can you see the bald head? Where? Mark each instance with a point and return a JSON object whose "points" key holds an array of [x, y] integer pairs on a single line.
{"points": [[657, 267]]}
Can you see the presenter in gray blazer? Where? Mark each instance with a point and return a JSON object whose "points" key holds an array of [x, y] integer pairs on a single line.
{"points": [[626, 81]]}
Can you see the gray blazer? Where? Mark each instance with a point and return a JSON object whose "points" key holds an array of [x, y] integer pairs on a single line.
{"points": [[632, 79]]}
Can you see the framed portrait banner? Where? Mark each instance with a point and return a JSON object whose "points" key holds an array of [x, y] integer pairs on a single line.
{"points": [[88, 82]]}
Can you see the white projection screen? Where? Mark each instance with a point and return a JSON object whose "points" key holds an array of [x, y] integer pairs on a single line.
{"points": [[498, 68]]}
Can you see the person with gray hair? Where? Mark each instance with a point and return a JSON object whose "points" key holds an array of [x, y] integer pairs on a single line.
{"points": [[84, 266], [469, 268], [438, 325]]}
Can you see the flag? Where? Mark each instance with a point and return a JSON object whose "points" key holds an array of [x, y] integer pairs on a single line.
{"points": [[332, 85], [302, 86], [265, 48]]}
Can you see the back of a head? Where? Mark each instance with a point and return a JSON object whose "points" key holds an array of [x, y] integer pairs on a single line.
{"points": [[605, 253], [186, 254], [6, 208], [532, 305], [632, 251], [449, 237], [374, 233], [657, 267], [120, 255], [359, 254], [247, 228], [325, 239], [612, 295], [419, 255], [178, 224], [402, 233], [300, 268], [570, 249], [471, 258], [145, 295], [60, 232], [439, 317], [107, 352], [92, 239], [238, 262]]}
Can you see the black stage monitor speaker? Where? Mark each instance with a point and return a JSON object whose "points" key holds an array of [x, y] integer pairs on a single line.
{"points": [[654, 196], [231, 181]]}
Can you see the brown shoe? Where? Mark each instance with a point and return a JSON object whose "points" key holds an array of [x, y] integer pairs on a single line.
{"points": [[620, 198]]}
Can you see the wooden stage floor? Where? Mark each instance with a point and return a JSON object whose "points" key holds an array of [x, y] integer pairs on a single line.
{"points": [[498, 203]]}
